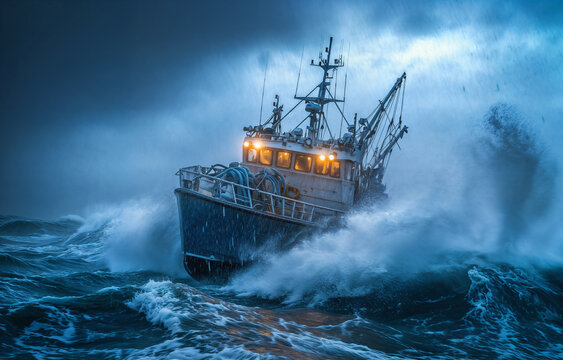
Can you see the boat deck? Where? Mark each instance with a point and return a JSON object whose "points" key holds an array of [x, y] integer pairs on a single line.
{"points": [[195, 179]]}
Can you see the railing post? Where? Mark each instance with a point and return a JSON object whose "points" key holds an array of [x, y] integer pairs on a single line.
{"points": [[272, 203], [234, 193], [217, 190]]}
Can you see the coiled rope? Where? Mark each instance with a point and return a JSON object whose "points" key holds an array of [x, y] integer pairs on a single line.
{"points": [[267, 180]]}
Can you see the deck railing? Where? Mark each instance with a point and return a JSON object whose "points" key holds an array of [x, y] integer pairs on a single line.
{"points": [[195, 178]]}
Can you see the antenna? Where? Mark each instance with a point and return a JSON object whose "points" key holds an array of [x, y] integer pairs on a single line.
{"points": [[344, 97], [263, 87], [346, 75], [299, 75]]}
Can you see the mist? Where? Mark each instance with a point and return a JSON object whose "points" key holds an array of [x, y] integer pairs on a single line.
{"points": [[103, 102], [503, 205]]}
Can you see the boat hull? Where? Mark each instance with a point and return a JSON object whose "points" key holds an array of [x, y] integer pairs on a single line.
{"points": [[219, 236]]}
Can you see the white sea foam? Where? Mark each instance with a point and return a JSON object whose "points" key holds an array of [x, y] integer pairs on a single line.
{"points": [[493, 196], [138, 235], [221, 330], [159, 305]]}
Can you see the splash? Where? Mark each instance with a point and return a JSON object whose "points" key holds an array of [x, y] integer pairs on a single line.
{"points": [[139, 235], [498, 205], [518, 171]]}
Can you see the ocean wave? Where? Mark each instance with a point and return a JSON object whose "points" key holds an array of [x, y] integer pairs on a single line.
{"points": [[201, 325], [501, 201], [455, 268]]}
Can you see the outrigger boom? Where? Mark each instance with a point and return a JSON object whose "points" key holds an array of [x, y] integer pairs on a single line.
{"points": [[288, 183]]}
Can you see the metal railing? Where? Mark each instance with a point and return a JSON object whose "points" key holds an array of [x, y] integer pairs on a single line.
{"points": [[195, 178]]}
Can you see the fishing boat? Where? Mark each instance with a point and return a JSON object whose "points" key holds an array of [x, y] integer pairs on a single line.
{"points": [[288, 184]]}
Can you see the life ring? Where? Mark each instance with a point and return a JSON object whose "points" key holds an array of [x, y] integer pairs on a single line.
{"points": [[292, 189], [309, 142]]}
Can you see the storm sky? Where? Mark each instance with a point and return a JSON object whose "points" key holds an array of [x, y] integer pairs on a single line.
{"points": [[102, 101]]}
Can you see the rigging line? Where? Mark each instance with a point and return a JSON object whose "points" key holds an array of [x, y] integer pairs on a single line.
{"points": [[372, 131], [390, 103], [380, 139], [403, 98], [371, 150], [338, 107], [374, 157], [335, 75], [388, 159], [269, 119], [299, 75], [384, 145], [346, 74], [263, 88], [375, 110], [396, 103], [325, 113], [300, 101], [344, 98], [301, 122], [343, 105], [327, 127], [387, 115]]}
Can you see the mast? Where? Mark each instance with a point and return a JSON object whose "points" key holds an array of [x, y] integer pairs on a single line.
{"points": [[371, 128], [371, 140], [378, 137], [316, 104]]}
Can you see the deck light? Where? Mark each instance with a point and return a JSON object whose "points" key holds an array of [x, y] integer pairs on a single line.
{"points": [[322, 158], [257, 145], [246, 143], [331, 157]]}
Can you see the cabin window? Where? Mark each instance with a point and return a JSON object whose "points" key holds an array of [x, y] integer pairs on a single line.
{"points": [[321, 166], [251, 155], [266, 156], [335, 169], [283, 160], [303, 163]]}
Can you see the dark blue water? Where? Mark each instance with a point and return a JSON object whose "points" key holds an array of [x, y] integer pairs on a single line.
{"points": [[59, 299], [466, 267]]}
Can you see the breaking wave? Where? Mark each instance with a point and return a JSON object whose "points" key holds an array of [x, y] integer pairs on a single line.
{"points": [[500, 207], [464, 263]]}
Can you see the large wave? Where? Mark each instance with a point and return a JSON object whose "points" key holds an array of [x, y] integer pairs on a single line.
{"points": [[494, 202], [140, 234]]}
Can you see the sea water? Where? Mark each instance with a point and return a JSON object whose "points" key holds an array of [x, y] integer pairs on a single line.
{"points": [[464, 267]]}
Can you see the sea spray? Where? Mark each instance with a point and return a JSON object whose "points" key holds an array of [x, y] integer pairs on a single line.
{"points": [[419, 276], [504, 190], [519, 171], [140, 234]]}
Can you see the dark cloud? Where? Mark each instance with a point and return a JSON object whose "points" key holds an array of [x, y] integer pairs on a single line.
{"points": [[60, 58], [86, 85]]}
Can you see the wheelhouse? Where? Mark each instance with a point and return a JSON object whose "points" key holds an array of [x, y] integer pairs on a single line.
{"points": [[322, 176]]}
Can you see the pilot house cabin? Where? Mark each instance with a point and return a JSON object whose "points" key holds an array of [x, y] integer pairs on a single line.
{"points": [[318, 176]]}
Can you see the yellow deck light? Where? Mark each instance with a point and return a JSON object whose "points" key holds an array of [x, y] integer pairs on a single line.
{"points": [[322, 158], [331, 157], [246, 143]]}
